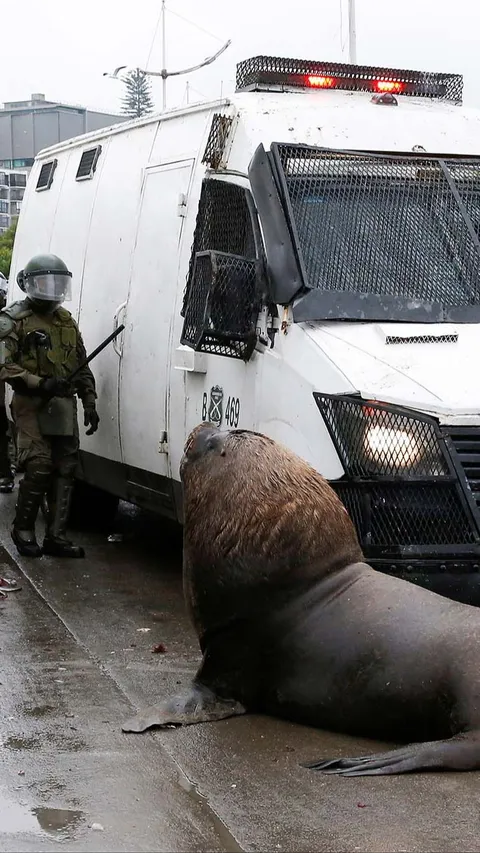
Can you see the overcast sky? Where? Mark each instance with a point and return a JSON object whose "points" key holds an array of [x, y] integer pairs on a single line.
{"points": [[61, 48]]}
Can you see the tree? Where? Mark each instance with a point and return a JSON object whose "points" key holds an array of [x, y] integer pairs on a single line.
{"points": [[6, 248], [138, 100]]}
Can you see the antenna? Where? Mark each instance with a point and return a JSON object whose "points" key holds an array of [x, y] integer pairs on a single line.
{"points": [[164, 59], [164, 74], [352, 33]]}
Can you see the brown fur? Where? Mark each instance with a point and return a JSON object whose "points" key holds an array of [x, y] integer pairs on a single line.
{"points": [[255, 509]]}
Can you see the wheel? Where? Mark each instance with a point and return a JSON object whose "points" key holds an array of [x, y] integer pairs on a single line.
{"points": [[92, 508]]}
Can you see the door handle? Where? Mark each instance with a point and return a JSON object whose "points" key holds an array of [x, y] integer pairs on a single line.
{"points": [[118, 342]]}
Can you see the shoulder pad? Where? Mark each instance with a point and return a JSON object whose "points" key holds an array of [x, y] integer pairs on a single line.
{"points": [[7, 325], [65, 315], [18, 310]]}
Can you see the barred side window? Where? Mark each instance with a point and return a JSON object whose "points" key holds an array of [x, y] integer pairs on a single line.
{"points": [[223, 224]]}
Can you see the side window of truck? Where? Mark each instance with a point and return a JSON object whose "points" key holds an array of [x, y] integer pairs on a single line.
{"points": [[224, 224]]}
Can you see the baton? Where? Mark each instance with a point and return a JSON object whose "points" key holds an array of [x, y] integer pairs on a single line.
{"points": [[95, 352]]}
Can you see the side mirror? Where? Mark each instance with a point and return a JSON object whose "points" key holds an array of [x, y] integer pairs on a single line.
{"points": [[223, 305]]}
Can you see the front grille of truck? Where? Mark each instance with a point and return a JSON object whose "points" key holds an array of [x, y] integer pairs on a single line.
{"points": [[466, 445], [410, 486], [406, 515]]}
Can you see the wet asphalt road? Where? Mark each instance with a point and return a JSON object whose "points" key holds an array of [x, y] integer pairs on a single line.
{"points": [[76, 659]]}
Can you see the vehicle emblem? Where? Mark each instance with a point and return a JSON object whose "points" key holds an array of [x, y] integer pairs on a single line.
{"points": [[215, 409]]}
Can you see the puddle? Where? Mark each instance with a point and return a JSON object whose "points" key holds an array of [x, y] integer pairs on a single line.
{"points": [[64, 741], [17, 818], [228, 841], [38, 711], [22, 742], [59, 822]]}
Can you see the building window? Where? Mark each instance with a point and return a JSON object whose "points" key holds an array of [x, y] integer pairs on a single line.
{"points": [[26, 163], [4, 221], [18, 180], [3, 206], [3, 179]]}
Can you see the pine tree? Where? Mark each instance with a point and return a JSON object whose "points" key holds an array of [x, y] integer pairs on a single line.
{"points": [[138, 100]]}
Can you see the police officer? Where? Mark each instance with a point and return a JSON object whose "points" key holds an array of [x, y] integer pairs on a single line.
{"points": [[40, 345], [6, 474]]}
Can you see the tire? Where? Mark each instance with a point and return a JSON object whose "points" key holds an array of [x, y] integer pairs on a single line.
{"points": [[92, 508]]}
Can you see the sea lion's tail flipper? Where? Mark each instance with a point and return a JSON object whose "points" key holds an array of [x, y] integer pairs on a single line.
{"points": [[197, 704], [457, 753]]}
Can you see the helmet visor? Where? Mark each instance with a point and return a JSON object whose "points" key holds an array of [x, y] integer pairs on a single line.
{"points": [[51, 286]]}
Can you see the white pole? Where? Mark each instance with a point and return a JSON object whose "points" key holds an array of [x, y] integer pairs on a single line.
{"points": [[164, 60], [352, 34]]}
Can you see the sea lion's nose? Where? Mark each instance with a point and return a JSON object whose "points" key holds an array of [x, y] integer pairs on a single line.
{"points": [[202, 440]]}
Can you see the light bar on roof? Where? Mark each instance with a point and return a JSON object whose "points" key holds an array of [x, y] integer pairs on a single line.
{"points": [[263, 72]]}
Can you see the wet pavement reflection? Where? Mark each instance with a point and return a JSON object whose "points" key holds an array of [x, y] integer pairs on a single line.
{"points": [[63, 824], [76, 648]]}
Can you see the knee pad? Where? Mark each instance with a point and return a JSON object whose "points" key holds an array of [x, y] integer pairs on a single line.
{"points": [[39, 471], [67, 469]]}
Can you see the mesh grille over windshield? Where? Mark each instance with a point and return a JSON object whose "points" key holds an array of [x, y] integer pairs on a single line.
{"points": [[382, 224]]}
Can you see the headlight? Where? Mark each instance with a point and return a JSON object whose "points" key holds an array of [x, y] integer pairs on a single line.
{"points": [[381, 443], [379, 440]]}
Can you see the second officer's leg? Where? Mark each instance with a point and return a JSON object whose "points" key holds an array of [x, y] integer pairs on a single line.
{"points": [[35, 457], [59, 496]]}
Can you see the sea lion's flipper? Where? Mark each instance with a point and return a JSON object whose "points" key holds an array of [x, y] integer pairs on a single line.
{"points": [[457, 753], [197, 704]]}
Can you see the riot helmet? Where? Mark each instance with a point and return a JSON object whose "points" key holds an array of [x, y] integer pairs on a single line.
{"points": [[46, 281]]}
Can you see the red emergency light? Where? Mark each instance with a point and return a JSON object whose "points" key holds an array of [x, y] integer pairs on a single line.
{"points": [[320, 82], [392, 86], [271, 73]]}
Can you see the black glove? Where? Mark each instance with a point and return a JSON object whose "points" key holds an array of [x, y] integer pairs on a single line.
{"points": [[90, 419], [53, 387]]}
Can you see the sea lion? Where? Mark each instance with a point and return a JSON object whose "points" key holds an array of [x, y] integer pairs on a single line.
{"points": [[293, 623]]}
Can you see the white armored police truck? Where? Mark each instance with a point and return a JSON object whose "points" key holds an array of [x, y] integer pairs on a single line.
{"points": [[301, 259]]}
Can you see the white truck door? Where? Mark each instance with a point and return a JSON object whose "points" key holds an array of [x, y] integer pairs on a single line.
{"points": [[144, 388]]}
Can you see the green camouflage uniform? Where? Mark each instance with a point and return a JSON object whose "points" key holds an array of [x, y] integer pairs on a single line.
{"points": [[39, 443], [47, 430]]}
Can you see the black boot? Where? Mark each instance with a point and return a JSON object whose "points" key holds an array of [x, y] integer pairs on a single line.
{"points": [[23, 531], [56, 543], [6, 484]]}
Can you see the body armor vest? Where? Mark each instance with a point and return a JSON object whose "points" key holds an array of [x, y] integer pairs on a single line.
{"points": [[58, 357]]}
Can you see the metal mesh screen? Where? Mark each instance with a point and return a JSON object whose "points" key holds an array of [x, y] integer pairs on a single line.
{"points": [[217, 139], [406, 514], [421, 339], [373, 441], [223, 305], [270, 69], [386, 225], [223, 224]]}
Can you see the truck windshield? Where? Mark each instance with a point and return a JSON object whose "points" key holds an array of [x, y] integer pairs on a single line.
{"points": [[404, 229]]}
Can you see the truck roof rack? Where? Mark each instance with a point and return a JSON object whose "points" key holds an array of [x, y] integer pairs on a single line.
{"points": [[275, 72]]}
